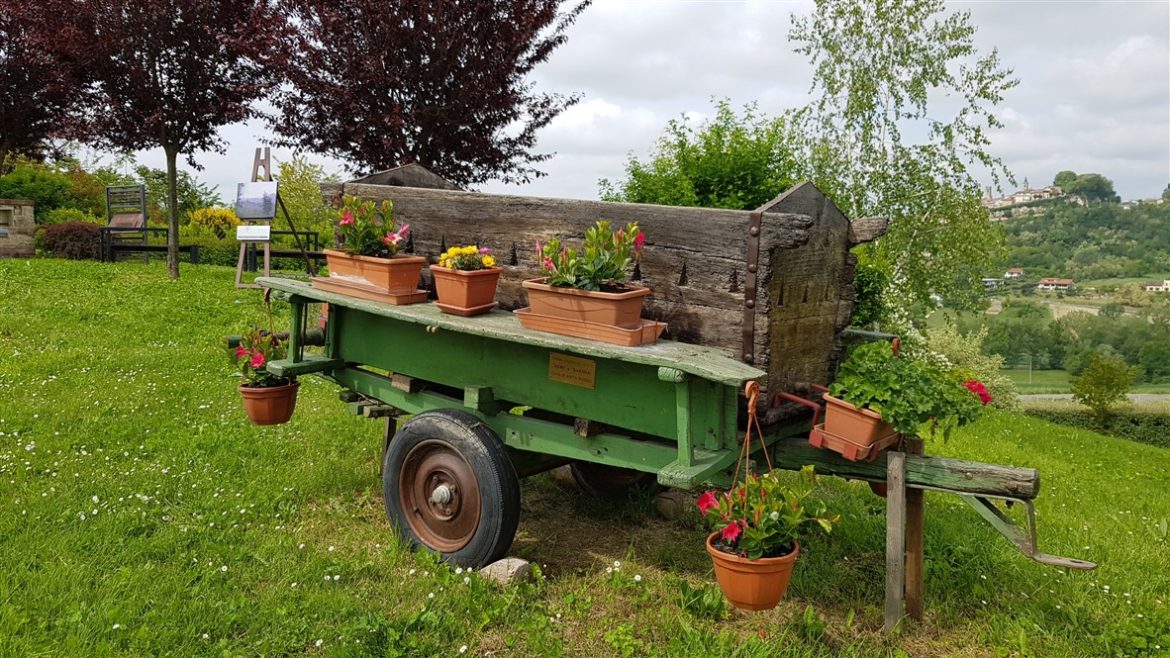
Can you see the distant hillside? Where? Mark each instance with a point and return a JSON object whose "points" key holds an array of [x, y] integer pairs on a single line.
{"points": [[1093, 242]]}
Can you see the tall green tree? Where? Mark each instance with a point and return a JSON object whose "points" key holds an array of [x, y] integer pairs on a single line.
{"points": [[878, 144], [1103, 384], [729, 161]]}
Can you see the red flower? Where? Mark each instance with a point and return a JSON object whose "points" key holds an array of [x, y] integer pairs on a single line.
{"points": [[241, 352], [706, 502], [731, 532], [638, 242], [977, 387], [257, 359], [346, 218]]}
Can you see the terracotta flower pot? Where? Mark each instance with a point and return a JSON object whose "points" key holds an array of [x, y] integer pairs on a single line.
{"points": [[620, 309], [396, 275], [270, 405], [752, 584], [466, 292], [861, 426]]}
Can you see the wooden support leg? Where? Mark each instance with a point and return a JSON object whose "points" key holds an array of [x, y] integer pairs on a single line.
{"points": [[895, 538], [915, 549]]}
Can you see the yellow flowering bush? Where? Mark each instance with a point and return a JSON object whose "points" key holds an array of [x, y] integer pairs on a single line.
{"points": [[219, 221], [470, 257]]}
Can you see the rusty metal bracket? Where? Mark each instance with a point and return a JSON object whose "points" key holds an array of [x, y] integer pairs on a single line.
{"points": [[755, 220], [1023, 539]]}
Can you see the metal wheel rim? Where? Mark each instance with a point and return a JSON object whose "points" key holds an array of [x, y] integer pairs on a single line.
{"points": [[440, 495]]}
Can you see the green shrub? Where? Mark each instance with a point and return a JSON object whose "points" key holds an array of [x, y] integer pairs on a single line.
{"points": [[1103, 384], [1144, 425], [73, 240], [965, 353], [63, 215]]}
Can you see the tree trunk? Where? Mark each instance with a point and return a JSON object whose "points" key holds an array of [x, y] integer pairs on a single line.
{"points": [[173, 213]]}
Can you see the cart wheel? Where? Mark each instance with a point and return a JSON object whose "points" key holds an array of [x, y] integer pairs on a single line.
{"points": [[449, 486], [611, 482]]}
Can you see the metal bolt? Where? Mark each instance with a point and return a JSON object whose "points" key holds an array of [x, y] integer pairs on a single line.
{"points": [[755, 230], [751, 303], [748, 357], [752, 268], [441, 495]]}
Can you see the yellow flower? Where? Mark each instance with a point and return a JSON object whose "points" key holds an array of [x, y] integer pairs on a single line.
{"points": [[488, 261], [470, 250]]}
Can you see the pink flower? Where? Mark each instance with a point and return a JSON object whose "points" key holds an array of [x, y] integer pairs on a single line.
{"points": [[257, 359], [346, 219], [977, 387], [548, 264], [241, 352], [391, 239], [731, 532], [484, 251], [403, 232], [706, 502]]}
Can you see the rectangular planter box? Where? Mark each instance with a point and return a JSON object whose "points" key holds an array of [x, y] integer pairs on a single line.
{"points": [[397, 275], [622, 309]]}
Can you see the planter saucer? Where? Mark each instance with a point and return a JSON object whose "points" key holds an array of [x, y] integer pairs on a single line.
{"points": [[466, 311], [850, 450], [343, 287], [644, 334]]}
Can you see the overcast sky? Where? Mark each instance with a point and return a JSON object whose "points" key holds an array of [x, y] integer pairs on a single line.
{"points": [[1094, 92]]}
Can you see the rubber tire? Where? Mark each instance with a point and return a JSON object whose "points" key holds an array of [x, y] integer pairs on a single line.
{"points": [[499, 488], [598, 481]]}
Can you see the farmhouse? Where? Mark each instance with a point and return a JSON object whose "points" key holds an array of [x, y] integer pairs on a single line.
{"points": [[1157, 286], [1014, 273], [1053, 283]]}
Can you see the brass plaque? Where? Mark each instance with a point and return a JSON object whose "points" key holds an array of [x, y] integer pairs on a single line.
{"points": [[572, 370]]}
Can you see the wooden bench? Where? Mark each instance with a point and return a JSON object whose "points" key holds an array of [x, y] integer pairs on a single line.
{"points": [[191, 250]]}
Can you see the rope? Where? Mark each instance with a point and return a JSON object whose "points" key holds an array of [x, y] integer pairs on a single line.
{"points": [[752, 391]]}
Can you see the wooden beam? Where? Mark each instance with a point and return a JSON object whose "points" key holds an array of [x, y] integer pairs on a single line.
{"points": [[915, 544], [895, 539], [922, 472]]}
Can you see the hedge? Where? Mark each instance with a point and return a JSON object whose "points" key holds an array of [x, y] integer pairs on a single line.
{"points": [[1150, 426]]}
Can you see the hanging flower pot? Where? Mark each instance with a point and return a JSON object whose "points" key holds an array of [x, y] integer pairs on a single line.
{"points": [[270, 405], [756, 524], [752, 584], [268, 399]]}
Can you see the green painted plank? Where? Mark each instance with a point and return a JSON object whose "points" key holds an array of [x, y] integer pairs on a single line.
{"points": [[308, 363], [702, 362]]}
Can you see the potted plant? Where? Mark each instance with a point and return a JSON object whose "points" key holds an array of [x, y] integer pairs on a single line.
{"points": [[465, 280], [585, 293], [268, 400], [755, 526], [368, 263], [879, 393]]}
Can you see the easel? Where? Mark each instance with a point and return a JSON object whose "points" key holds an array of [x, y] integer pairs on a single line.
{"points": [[248, 239]]}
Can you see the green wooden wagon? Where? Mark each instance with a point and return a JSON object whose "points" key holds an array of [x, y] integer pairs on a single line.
{"points": [[475, 404]]}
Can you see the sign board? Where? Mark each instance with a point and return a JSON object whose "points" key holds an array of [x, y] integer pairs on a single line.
{"points": [[253, 233], [572, 370], [256, 200]]}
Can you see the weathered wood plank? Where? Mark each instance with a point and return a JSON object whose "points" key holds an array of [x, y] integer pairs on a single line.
{"points": [[915, 541], [921, 471], [895, 539]]}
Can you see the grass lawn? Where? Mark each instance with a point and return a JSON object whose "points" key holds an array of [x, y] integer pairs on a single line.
{"points": [[140, 514], [1056, 381]]}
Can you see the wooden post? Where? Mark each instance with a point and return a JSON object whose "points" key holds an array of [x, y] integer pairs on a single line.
{"points": [[915, 550], [895, 538]]}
